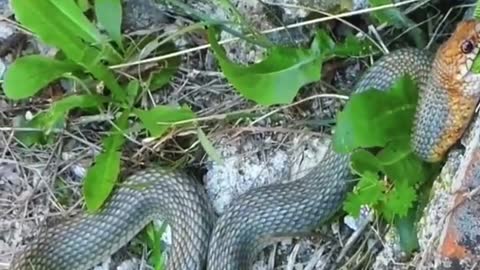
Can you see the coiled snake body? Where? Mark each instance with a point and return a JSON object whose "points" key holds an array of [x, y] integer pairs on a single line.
{"points": [[449, 94]]}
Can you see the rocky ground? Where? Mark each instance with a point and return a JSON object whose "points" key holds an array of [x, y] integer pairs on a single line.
{"points": [[42, 185]]}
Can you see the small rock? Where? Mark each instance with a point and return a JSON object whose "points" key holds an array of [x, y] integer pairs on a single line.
{"points": [[142, 15], [5, 8]]}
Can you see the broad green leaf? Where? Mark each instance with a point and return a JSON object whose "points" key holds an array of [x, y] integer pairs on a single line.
{"points": [[103, 175], [275, 80], [77, 101], [29, 74], [207, 145], [101, 179], [53, 20], [109, 14], [373, 118], [159, 119], [364, 161], [395, 151]]}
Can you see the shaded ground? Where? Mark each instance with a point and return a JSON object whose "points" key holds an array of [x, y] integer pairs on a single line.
{"points": [[40, 186]]}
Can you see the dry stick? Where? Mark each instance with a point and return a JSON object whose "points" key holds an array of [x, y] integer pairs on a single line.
{"points": [[315, 258], [295, 25], [298, 102], [360, 31], [437, 29], [352, 240], [292, 256]]}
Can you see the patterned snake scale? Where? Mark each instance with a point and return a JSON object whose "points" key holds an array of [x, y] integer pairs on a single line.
{"points": [[448, 97]]}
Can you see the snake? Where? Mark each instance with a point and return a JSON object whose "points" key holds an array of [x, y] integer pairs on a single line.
{"points": [[448, 94]]}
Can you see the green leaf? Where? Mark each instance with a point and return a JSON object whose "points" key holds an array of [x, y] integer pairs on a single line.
{"points": [[54, 118], [275, 80], [109, 14], [52, 19], [476, 65], [29, 74], [476, 61], [91, 59], [407, 232], [398, 201], [132, 91], [390, 16], [159, 119], [373, 118], [102, 177], [352, 46], [401, 164], [32, 137], [394, 16], [368, 191], [84, 5], [322, 44], [160, 78], [395, 151], [63, 106], [363, 161], [154, 242], [207, 145], [60, 109], [476, 12], [61, 23]]}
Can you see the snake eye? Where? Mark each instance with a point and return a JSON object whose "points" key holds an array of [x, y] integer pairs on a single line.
{"points": [[467, 46]]}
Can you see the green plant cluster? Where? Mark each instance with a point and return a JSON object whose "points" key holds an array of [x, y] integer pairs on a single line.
{"points": [[390, 176], [375, 128]]}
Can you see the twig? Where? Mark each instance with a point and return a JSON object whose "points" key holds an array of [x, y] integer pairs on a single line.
{"points": [[295, 25]]}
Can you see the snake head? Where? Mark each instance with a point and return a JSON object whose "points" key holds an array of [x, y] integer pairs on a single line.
{"points": [[447, 102], [454, 59]]}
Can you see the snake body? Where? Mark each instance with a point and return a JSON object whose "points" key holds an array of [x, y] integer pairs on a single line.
{"points": [[448, 94]]}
